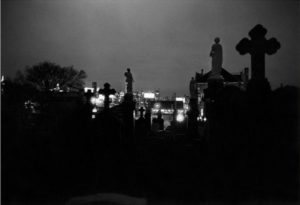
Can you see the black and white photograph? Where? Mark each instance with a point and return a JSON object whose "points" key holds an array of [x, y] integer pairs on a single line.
{"points": [[150, 102]]}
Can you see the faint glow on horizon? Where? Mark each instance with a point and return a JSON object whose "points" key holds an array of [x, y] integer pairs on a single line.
{"points": [[164, 35], [94, 110], [167, 111], [155, 110], [157, 105], [112, 96], [180, 111], [186, 107], [86, 89], [98, 101], [149, 95], [180, 99], [180, 118], [201, 118]]}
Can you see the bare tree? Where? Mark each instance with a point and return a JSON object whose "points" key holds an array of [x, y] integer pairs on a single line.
{"points": [[47, 76]]}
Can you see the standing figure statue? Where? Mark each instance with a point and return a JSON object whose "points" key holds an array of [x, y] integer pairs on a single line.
{"points": [[216, 54], [129, 81]]}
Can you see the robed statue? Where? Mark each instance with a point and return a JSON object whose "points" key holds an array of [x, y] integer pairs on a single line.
{"points": [[216, 54], [129, 81]]}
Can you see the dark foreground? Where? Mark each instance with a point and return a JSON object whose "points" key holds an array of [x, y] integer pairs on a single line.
{"points": [[249, 153]]}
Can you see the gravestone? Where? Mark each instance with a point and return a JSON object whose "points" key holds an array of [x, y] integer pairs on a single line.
{"points": [[141, 126], [158, 123], [257, 47], [259, 113], [142, 110], [105, 143], [88, 95], [106, 91]]}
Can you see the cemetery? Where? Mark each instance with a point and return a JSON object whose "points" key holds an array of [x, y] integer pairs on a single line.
{"points": [[237, 141]]}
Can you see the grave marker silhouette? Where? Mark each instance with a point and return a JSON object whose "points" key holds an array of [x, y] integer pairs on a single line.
{"points": [[106, 92], [257, 47], [142, 110]]}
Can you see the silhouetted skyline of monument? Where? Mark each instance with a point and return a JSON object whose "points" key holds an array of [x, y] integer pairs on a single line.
{"points": [[160, 40], [232, 140], [234, 149]]}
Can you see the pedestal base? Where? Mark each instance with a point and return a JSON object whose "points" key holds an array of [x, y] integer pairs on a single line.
{"points": [[259, 88], [214, 86]]}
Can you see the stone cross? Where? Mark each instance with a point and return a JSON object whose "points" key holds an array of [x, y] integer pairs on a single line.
{"points": [[106, 92], [142, 110], [257, 47]]}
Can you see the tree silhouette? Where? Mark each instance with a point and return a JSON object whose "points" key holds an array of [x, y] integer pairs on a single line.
{"points": [[46, 76]]}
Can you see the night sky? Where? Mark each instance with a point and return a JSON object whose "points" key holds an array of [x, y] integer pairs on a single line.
{"points": [[164, 42]]}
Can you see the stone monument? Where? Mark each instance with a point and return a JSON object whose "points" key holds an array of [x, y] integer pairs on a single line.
{"points": [[129, 81], [106, 91], [215, 80], [216, 55], [257, 47]]}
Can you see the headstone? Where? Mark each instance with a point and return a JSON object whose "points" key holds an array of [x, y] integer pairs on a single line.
{"points": [[106, 91], [142, 110], [141, 126], [158, 123], [88, 95], [257, 47], [129, 81]]}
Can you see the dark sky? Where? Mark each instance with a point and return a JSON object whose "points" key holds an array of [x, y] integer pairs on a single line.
{"points": [[164, 42]]}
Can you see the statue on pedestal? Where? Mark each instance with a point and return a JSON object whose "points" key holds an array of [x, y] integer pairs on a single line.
{"points": [[215, 80]]}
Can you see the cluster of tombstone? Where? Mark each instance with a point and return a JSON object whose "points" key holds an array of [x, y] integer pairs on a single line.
{"points": [[258, 88], [247, 148], [131, 130], [246, 132]]}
